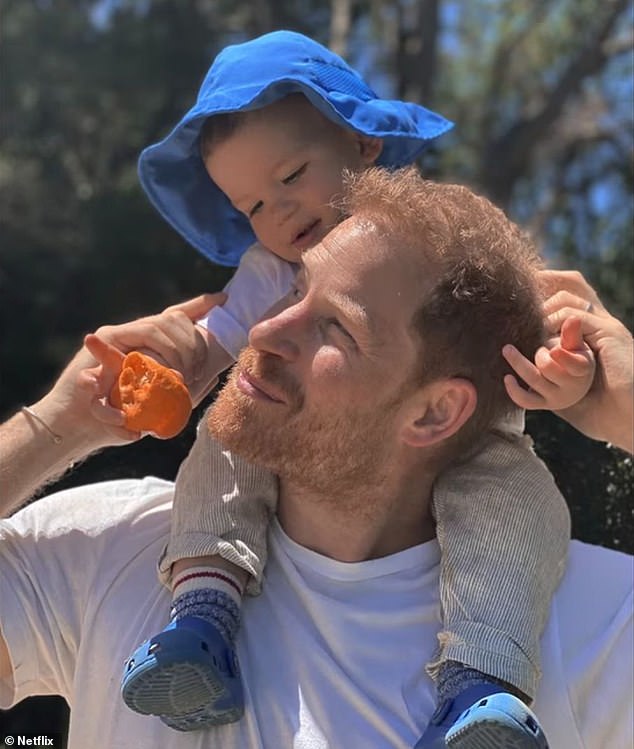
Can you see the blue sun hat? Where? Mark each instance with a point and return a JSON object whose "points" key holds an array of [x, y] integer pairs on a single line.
{"points": [[249, 76]]}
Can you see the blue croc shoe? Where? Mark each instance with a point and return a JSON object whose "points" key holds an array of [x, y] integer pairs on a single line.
{"points": [[500, 721], [481, 717], [187, 674]]}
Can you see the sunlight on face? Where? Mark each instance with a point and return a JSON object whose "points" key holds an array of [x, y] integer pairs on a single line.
{"points": [[316, 395]]}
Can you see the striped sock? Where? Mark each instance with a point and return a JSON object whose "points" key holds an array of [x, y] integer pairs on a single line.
{"points": [[211, 594], [455, 677]]}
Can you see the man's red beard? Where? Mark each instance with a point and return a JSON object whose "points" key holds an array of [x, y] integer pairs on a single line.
{"points": [[332, 452], [245, 425]]}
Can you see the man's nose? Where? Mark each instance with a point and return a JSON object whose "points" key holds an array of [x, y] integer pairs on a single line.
{"points": [[279, 333]]}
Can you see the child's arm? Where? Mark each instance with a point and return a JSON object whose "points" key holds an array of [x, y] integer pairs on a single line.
{"points": [[260, 281], [561, 374]]}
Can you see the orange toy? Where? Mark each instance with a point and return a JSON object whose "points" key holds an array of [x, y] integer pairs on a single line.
{"points": [[154, 398]]}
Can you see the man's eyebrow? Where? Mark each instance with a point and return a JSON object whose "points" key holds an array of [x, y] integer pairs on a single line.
{"points": [[351, 309]]}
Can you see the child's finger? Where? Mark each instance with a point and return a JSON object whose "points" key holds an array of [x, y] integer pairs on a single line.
{"points": [[548, 367], [521, 397], [571, 334], [190, 347], [199, 306], [522, 366], [575, 363]]}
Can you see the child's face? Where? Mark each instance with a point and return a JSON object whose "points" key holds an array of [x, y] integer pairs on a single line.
{"points": [[282, 167]]}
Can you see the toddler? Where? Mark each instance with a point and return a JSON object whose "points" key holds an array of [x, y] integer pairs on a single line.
{"points": [[248, 176]]}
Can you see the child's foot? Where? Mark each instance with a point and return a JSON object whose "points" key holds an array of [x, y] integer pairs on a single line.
{"points": [[188, 675], [482, 718], [500, 721]]}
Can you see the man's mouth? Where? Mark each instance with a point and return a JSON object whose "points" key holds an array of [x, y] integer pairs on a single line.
{"points": [[255, 388], [308, 236]]}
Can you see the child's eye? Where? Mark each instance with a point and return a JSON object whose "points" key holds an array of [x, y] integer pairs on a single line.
{"points": [[255, 209], [295, 175]]}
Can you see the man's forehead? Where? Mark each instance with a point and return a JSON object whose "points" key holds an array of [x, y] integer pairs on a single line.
{"points": [[355, 236], [359, 271], [345, 253], [362, 248]]}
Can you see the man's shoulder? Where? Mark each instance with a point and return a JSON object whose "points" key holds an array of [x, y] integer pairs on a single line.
{"points": [[95, 509], [598, 567], [595, 595]]}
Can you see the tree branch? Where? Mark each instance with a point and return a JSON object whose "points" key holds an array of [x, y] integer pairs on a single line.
{"points": [[416, 51], [506, 157], [501, 63], [340, 22]]}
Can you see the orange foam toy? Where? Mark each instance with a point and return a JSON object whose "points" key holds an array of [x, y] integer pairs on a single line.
{"points": [[154, 398]]}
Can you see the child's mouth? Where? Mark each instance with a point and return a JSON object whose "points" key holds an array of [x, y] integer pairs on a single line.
{"points": [[307, 237]]}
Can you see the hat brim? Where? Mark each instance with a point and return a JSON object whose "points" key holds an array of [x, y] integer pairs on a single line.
{"points": [[173, 175]]}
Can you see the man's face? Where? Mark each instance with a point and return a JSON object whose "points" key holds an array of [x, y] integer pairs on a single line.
{"points": [[282, 169], [318, 394]]}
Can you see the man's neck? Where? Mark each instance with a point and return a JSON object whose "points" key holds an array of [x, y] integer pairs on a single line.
{"points": [[376, 522]]}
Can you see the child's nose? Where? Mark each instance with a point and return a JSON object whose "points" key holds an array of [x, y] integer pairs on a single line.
{"points": [[283, 209]]}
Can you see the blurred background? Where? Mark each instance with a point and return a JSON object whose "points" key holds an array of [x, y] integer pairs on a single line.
{"points": [[541, 92]]}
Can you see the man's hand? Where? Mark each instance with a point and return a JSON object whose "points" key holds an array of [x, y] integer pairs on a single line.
{"points": [[78, 403], [606, 412]]}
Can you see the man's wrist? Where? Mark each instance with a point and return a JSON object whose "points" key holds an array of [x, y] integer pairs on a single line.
{"points": [[76, 437], [32, 415], [622, 426]]}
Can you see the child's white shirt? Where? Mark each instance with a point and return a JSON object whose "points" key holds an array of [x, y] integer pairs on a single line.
{"points": [[261, 280]]}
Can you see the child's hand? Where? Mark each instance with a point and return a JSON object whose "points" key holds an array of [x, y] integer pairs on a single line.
{"points": [[561, 375]]}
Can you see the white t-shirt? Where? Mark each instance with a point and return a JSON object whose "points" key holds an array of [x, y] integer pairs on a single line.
{"points": [[333, 654], [260, 281]]}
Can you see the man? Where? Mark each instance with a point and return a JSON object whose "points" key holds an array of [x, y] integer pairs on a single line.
{"points": [[356, 396]]}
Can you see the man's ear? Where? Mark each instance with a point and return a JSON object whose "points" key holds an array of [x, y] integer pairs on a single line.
{"points": [[438, 410], [370, 148]]}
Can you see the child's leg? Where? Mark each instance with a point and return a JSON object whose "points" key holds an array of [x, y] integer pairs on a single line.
{"points": [[188, 673], [503, 529]]}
